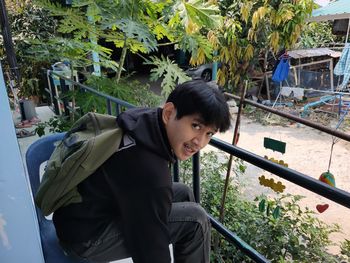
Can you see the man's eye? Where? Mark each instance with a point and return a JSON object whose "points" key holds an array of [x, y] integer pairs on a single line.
{"points": [[210, 134], [196, 126]]}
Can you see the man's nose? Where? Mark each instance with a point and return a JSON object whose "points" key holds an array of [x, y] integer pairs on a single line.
{"points": [[200, 141]]}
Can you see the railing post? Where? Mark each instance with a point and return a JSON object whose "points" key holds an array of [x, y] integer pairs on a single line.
{"points": [[64, 91], [196, 179], [53, 95], [109, 107], [117, 109], [176, 171]]}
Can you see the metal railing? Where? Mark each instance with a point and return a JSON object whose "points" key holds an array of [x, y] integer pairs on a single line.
{"points": [[337, 195], [118, 104]]}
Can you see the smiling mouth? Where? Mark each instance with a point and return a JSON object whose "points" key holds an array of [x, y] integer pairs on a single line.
{"points": [[189, 149]]}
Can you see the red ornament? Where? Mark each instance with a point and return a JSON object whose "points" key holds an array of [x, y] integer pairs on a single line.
{"points": [[322, 208]]}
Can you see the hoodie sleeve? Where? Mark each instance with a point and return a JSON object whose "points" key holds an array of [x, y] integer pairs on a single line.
{"points": [[145, 216], [141, 184]]}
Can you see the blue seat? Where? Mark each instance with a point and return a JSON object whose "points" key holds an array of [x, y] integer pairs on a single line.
{"points": [[37, 153]]}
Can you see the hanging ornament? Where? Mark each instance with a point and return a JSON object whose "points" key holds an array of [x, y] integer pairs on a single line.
{"points": [[327, 178], [274, 145], [322, 208], [281, 162], [278, 187]]}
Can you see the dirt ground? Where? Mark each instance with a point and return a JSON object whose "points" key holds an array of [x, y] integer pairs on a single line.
{"points": [[308, 152]]}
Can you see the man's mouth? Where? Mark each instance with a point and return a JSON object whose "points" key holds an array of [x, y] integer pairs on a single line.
{"points": [[190, 150]]}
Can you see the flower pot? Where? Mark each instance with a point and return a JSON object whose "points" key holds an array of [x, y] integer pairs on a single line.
{"points": [[27, 108]]}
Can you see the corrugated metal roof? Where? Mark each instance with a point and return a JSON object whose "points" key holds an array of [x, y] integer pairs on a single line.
{"points": [[313, 52], [334, 10]]}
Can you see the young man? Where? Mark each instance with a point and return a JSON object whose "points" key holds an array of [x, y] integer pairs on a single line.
{"points": [[130, 206]]}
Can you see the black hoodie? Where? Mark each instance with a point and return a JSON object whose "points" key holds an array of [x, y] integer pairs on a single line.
{"points": [[134, 190]]}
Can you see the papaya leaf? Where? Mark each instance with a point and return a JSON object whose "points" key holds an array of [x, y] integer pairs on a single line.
{"points": [[203, 14], [169, 71], [136, 31]]}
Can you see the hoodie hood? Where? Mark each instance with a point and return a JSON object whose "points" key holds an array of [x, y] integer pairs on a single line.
{"points": [[145, 125]]}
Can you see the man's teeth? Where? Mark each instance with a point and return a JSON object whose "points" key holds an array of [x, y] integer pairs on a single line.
{"points": [[188, 148]]}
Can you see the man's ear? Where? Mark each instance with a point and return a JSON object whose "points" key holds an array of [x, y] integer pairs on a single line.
{"points": [[168, 110]]}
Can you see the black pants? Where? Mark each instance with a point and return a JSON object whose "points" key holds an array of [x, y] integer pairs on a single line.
{"points": [[189, 229]]}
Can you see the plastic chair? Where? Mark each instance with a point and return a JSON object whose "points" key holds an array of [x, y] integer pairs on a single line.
{"points": [[37, 153]]}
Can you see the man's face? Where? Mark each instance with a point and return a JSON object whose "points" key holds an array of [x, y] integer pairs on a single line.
{"points": [[187, 135]]}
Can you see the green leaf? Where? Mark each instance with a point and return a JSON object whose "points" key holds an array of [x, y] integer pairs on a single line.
{"points": [[137, 32], [262, 205], [161, 31], [192, 43], [169, 71], [202, 13], [242, 168], [276, 212]]}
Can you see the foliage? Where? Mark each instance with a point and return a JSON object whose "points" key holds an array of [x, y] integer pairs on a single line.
{"points": [[251, 30], [278, 23], [232, 47], [16, 6], [316, 35], [345, 248], [133, 26], [190, 21], [70, 50], [128, 90], [132, 91], [278, 227], [29, 22], [55, 124], [170, 72], [30, 86], [234, 37]]}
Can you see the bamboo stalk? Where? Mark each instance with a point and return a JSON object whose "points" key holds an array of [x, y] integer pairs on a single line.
{"points": [[229, 165]]}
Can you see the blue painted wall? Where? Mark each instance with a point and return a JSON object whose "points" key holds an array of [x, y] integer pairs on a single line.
{"points": [[19, 236]]}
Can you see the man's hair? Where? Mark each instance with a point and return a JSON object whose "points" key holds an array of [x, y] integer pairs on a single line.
{"points": [[197, 97]]}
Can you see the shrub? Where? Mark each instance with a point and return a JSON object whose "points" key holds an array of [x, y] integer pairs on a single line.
{"points": [[128, 89], [29, 22], [278, 228], [54, 125]]}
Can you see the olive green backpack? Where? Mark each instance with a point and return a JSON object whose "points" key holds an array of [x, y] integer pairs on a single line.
{"points": [[86, 146]]}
